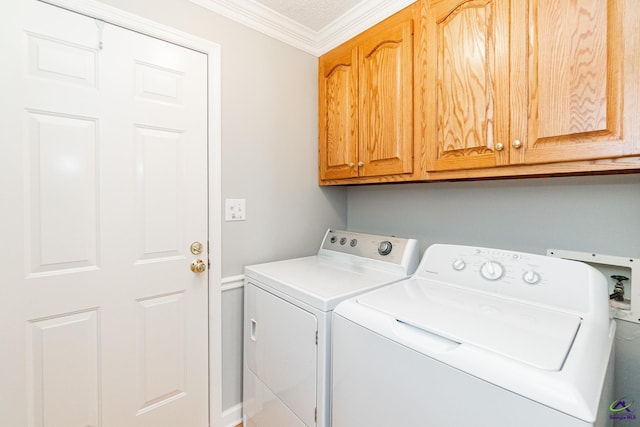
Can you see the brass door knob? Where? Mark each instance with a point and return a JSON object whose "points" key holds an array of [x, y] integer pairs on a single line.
{"points": [[198, 266]]}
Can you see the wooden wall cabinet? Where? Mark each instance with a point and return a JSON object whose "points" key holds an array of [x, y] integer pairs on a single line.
{"points": [[366, 105], [527, 87], [463, 89]]}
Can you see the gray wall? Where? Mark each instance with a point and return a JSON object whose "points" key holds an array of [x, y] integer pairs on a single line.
{"points": [[232, 347], [599, 214], [269, 155], [592, 214]]}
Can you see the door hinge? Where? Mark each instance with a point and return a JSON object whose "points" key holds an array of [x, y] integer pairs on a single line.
{"points": [[316, 337], [315, 415]]}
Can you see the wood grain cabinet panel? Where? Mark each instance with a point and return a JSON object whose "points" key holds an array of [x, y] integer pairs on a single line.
{"points": [[526, 82], [573, 74], [386, 99], [338, 110], [469, 65], [366, 104]]}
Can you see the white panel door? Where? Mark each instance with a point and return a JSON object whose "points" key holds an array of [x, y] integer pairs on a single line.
{"points": [[103, 180]]}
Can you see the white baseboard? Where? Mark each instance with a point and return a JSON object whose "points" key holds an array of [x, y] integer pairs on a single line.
{"points": [[232, 416]]}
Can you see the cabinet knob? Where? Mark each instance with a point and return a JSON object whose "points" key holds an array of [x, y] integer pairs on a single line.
{"points": [[351, 164], [360, 164], [499, 146], [517, 143]]}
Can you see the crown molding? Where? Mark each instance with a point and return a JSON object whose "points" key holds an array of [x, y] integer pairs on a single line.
{"points": [[265, 20], [359, 18], [260, 18]]}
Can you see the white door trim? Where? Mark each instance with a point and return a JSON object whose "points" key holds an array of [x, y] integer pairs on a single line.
{"points": [[212, 50]]}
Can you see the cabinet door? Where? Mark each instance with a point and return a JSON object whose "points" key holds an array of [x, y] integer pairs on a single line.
{"points": [[465, 63], [568, 66], [386, 97], [338, 113]]}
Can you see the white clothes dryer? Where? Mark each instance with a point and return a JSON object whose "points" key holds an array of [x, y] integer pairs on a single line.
{"points": [[287, 320], [477, 337]]}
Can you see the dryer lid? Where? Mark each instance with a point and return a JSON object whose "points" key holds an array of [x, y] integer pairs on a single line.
{"points": [[528, 333], [319, 282]]}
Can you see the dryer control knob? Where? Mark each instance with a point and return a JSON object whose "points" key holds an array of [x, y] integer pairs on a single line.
{"points": [[384, 248]]}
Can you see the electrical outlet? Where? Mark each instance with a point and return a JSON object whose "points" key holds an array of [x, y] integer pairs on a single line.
{"points": [[235, 209]]}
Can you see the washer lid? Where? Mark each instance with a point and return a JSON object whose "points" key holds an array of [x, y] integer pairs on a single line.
{"points": [[531, 334]]}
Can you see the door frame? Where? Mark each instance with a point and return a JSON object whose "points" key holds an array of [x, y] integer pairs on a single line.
{"points": [[154, 29]]}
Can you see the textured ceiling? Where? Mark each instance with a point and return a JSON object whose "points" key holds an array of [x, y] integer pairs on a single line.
{"points": [[313, 14]]}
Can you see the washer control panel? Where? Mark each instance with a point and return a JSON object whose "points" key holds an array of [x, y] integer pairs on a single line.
{"points": [[495, 265], [524, 276]]}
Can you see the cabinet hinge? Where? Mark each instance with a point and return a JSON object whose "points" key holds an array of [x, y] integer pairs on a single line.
{"points": [[315, 415], [316, 337]]}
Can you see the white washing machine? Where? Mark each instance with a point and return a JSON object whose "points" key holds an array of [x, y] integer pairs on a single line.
{"points": [[287, 321], [477, 337]]}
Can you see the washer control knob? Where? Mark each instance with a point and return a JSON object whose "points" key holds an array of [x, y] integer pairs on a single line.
{"points": [[343, 240], [353, 243], [384, 248], [458, 265], [531, 277], [492, 270]]}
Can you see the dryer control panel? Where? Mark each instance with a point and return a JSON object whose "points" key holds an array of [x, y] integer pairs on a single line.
{"points": [[371, 249]]}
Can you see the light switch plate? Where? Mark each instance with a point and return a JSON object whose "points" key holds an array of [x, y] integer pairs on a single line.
{"points": [[235, 209]]}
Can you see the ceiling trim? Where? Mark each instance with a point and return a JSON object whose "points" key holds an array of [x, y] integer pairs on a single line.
{"points": [[361, 17], [262, 19], [267, 21]]}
